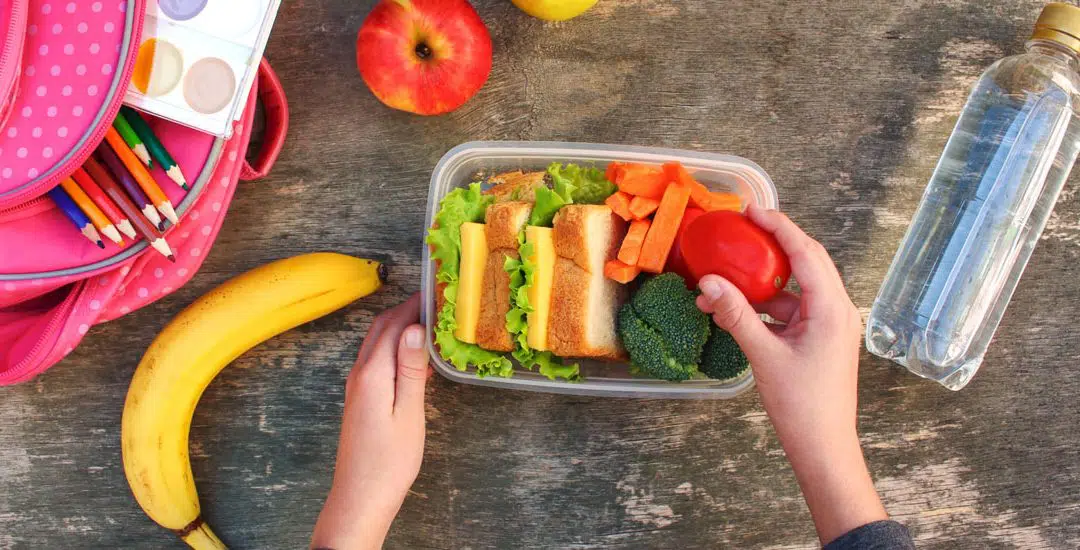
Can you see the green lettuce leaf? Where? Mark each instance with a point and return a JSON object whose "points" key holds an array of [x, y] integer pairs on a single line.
{"points": [[457, 207], [553, 367], [548, 202], [586, 185], [522, 275]]}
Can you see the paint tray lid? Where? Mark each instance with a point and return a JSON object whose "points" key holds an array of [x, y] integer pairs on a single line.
{"points": [[198, 59]]}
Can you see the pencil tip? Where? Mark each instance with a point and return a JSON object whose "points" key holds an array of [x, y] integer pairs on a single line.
{"points": [[172, 258], [185, 187], [100, 243], [161, 225]]}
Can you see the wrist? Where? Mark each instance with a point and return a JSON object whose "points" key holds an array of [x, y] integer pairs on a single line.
{"points": [[836, 483], [347, 523]]}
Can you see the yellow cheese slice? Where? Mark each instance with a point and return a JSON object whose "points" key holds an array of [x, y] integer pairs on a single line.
{"points": [[474, 253], [543, 244]]}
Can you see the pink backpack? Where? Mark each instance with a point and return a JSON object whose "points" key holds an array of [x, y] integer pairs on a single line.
{"points": [[64, 68]]}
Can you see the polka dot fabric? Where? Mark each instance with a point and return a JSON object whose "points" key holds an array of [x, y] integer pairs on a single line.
{"points": [[73, 74], [76, 303]]}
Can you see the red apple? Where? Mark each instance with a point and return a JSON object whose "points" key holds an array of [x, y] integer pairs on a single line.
{"points": [[424, 56]]}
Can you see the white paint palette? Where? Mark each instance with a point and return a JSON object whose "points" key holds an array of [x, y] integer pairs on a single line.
{"points": [[198, 60]]}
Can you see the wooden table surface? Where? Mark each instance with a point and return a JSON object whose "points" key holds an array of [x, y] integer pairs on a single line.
{"points": [[846, 104]]}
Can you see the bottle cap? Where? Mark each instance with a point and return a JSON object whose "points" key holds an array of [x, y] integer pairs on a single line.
{"points": [[1059, 23]]}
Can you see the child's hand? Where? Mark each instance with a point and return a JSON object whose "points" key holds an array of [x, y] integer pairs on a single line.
{"points": [[382, 433], [807, 371]]}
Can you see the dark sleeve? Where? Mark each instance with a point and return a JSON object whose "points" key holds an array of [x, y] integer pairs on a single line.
{"points": [[879, 535]]}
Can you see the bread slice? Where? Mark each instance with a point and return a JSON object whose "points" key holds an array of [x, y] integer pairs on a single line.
{"points": [[516, 186], [585, 302], [504, 222]]}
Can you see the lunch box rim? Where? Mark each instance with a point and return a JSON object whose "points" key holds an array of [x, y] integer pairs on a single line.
{"points": [[550, 151]]}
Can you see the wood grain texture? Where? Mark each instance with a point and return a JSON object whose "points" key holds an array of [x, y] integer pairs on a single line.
{"points": [[846, 104]]}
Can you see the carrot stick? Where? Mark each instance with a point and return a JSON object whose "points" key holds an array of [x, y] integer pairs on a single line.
{"points": [[665, 227], [612, 172], [710, 202], [642, 180], [631, 245], [620, 272], [619, 203], [700, 196], [643, 207]]}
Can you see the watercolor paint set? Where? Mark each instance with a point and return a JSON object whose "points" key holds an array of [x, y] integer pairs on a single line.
{"points": [[198, 59]]}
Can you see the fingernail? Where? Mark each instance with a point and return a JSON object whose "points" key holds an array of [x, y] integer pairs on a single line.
{"points": [[711, 288], [414, 337]]}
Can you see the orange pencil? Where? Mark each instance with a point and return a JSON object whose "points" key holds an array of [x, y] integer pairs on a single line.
{"points": [[93, 190], [142, 177], [97, 217], [116, 172], [117, 194]]}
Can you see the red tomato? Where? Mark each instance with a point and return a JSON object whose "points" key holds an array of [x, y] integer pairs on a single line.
{"points": [[675, 262], [728, 244]]}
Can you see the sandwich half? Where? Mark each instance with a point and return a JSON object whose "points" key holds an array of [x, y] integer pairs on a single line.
{"points": [[505, 221], [520, 270], [583, 318]]}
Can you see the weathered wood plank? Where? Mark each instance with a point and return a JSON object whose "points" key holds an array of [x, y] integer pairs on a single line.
{"points": [[847, 105]]}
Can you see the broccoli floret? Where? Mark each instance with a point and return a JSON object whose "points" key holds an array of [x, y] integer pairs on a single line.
{"points": [[664, 304], [722, 359], [663, 330]]}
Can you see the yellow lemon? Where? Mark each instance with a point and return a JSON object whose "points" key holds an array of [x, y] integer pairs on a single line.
{"points": [[554, 10]]}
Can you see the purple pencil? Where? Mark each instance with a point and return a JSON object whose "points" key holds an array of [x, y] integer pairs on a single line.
{"points": [[120, 173]]}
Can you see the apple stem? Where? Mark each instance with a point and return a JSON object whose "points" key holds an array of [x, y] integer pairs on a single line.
{"points": [[423, 51]]}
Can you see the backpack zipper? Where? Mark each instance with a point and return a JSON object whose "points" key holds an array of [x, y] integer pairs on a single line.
{"points": [[13, 48], [51, 329]]}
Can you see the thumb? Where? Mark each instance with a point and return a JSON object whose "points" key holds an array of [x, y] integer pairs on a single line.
{"points": [[731, 312], [412, 367]]}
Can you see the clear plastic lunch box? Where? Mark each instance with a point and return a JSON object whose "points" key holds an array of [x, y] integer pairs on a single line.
{"points": [[473, 161]]}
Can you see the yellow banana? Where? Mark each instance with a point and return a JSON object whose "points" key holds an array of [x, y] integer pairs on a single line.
{"points": [[195, 347]]}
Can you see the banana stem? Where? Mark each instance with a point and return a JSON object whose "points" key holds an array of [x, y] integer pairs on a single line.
{"points": [[202, 538]]}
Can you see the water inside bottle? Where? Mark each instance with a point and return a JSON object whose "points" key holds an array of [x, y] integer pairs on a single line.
{"points": [[979, 219]]}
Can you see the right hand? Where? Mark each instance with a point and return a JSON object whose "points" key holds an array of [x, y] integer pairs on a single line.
{"points": [[806, 369]]}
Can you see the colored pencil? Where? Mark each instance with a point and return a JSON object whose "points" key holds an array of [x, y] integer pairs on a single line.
{"points": [[71, 210], [93, 190], [99, 174], [132, 139], [157, 149], [119, 195], [142, 177], [97, 217]]}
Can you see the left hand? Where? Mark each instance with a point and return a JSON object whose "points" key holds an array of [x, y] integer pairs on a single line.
{"points": [[382, 433]]}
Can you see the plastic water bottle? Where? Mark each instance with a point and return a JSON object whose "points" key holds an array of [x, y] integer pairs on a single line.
{"points": [[984, 208]]}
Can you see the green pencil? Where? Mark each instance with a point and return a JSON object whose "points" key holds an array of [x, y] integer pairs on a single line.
{"points": [[157, 150], [132, 139]]}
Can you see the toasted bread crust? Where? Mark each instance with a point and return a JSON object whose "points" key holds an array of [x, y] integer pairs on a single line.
{"points": [[583, 314], [491, 330], [504, 222], [516, 186], [580, 225], [572, 330]]}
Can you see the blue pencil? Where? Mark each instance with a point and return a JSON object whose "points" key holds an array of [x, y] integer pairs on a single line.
{"points": [[76, 215]]}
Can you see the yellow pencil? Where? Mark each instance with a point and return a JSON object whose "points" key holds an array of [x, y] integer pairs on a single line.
{"points": [[97, 217]]}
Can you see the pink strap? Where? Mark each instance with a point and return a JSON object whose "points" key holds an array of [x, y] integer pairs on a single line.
{"points": [[276, 113]]}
